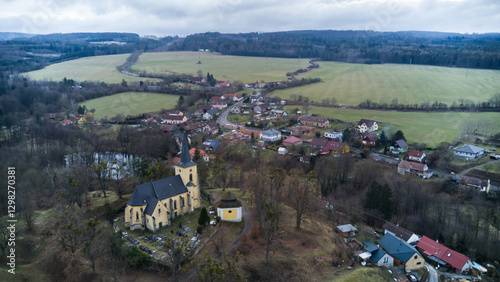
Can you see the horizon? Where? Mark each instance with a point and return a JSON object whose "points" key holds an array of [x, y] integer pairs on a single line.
{"points": [[175, 18]]}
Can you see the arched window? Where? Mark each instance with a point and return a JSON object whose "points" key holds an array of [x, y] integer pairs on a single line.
{"points": [[175, 204], [136, 216], [190, 177], [159, 212]]}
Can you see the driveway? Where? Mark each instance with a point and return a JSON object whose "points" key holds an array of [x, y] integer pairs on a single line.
{"points": [[433, 275]]}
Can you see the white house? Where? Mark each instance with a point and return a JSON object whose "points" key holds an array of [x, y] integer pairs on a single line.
{"points": [[469, 151], [400, 232], [282, 151], [376, 254], [367, 126], [334, 135], [271, 135]]}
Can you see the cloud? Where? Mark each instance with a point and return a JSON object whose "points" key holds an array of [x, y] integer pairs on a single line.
{"points": [[175, 17]]}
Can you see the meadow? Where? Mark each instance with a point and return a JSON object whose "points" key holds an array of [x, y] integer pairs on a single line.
{"points": [[351, 84], [130, 103], [418, 127], [99, 68], [230, 68]]}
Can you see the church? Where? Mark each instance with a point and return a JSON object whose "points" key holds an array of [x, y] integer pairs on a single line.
{"points": [[155, 204]]}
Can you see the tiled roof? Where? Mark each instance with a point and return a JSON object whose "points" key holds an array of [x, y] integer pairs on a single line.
{"points": [[412, 165], [415, 153], [433, 248], [292, 139]]}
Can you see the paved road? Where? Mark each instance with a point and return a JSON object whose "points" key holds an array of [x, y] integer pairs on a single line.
{"points": [[222, 120], [433, 275]]}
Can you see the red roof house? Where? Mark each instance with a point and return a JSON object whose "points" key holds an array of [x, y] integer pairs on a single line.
{"points": [[335, 148], [416, 156], [292, 140], [444, 255]]}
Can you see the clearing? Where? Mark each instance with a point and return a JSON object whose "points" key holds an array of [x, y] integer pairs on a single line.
{"points": [[351, 84], [98, 68], [130, 103]]}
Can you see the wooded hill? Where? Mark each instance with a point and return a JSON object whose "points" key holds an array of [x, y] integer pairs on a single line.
{"points": [[370, 47]]}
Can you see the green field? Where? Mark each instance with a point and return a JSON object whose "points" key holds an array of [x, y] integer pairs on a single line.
{"points": [[419, 127], [99, 68], [130, 103], [245, 69], [351, 84]]}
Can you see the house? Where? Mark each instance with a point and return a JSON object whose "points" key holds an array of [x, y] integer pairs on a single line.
{"points": [[467, 182], [366, 126], [399, 146], [210, 114], [211, 129], [219, 105], [155, 204], [347, 230], [417, 156], [444, 255], [66, 122], [469, 151], [271, 135], [193, 127], [334, 135], [211, 144], [225, 84], [169, 128], [403, 253], [314, 121], [292, 140], [376, 254], [233, 97], [305, 159], [237, 108], [302, 130], [174, 119], [229, 208], [203, 154], [398, 231], [215, 99], [282, 151], [370, 140], [254, 98], [419, 169], [319, 143], [336, 148], [197, 80], [199, 112], [277, 113], [259, 109]]}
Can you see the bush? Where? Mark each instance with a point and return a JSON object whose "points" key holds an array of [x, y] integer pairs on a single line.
{"points": [[137, 258], [199, 229]]}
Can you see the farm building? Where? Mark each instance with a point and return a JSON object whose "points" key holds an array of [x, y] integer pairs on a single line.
{"points": [[229, 208]]}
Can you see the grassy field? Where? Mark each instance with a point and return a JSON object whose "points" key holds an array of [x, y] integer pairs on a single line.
{"points": [[351, 84], [130, 103], [245, 69], [99, 68], [429, 128], [363, 274]]}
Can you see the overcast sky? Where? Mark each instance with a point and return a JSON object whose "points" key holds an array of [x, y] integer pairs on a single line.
{"points": [[181, 17]]}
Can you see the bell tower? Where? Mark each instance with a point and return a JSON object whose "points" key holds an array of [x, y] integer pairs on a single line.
{"points": [[188, 171]]}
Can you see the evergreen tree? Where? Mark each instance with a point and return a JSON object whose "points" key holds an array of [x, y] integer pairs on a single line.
{"points": [[379, 197], [203, 218], [398, 136]]}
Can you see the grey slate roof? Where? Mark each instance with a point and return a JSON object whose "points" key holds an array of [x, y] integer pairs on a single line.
{"points": [[399, 231], [370, 247], [271, 131], [229, 200], [185, 157], [152, 202], [165, 188], [397, 248], [401, 143], [469, 149], [378, 254]]}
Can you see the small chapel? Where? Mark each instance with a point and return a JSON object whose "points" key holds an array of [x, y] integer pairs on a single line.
{"points": [[155, 204]]}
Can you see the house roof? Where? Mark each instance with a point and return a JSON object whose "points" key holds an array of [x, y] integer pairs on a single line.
{"points": [[397, 248], [472, 149], [213, 111], [169, 127], [399, 231], [378, 254], [173, 117], [229, 200], [271, 131], [152, 202], [370, 247], [401, 143], [212, 142], [319, 142], [160, 189], [368, 122], [292, 139], [467, 180], [313, 119], [333, 146], [433, 248], [192, 152], [197, 79], [371, 138], [415, 153], [412, 165], [346, 228]]}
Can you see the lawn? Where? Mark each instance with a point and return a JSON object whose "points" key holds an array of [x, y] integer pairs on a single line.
{"points": [[420, 127], [363, 274], [130, 103], [98, 68], [245, 69], [351, 84]]}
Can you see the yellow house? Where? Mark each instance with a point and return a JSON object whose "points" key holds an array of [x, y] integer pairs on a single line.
{"points": [[155, 204], [403, 253], [229, 208]]}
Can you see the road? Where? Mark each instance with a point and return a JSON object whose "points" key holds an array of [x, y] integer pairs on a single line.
{"points": [[433, 275], [222, 120]]}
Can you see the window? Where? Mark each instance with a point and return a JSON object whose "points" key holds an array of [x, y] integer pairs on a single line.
{"points": [[159, 212], [419, 263], [386, 259], [175, 204], [229, 211], [415, 257], [190, 177], [136, 216]]}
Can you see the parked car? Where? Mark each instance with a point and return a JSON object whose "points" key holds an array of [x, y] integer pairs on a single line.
{"points": [[495, 157]]}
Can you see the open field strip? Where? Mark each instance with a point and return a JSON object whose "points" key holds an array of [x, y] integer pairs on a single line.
{"points": [[130, 103], [98, 68], [421, 127], [351, 84], [241, 68]]}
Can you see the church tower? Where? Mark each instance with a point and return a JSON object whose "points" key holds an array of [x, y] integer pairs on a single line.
{"points": [[188, 171]]}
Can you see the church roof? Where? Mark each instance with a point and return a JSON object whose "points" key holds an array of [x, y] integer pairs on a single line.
{"points": [[152, 202], [185, 157], [160, 189]]}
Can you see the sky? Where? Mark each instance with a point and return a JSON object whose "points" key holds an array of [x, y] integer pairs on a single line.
{"points": [[181, 17]]}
